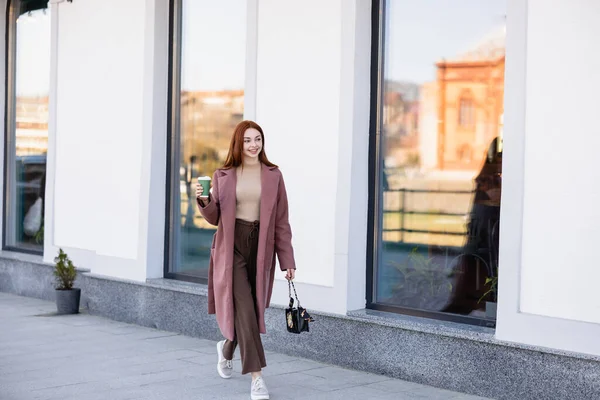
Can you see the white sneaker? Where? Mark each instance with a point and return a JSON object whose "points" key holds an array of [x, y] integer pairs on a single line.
{"points": [[224, 367], [258, 390]]}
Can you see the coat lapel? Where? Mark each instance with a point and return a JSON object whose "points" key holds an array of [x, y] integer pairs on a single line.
{"points": [[269, 182], [227, 184]]}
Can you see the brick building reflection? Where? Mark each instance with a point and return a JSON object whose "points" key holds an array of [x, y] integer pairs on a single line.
{"points": [[469, 96], [448, 123]]}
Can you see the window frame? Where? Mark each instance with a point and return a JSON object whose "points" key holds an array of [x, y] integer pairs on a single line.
{"points": [[10, 139], [379, 20], [173, 140]]}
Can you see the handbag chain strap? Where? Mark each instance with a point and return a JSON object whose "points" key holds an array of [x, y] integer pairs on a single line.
{"points": [[290, 286]]}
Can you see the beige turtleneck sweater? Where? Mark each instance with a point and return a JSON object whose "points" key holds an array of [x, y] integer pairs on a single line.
{"points": [[247, 192]]}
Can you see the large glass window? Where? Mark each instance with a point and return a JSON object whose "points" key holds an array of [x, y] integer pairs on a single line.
{"points": [[437, 144], [28, 85], [207, 88]]}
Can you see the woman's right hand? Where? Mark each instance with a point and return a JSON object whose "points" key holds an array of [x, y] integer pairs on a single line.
{"points": [[200, 192]]}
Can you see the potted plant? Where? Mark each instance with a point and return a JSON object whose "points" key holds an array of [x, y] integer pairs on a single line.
{"points": [[67, 297]]}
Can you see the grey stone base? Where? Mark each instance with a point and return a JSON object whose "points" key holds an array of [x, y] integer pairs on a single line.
{"points": [[446, 355]]}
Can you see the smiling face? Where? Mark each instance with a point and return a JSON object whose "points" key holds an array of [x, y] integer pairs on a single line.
{"points": [[247, 146], [252, 143]]}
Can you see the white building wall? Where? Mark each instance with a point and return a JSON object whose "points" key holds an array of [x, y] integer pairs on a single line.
{"points": [[99, 126], [560, 163], [550, 214], [108, 135], [153, 186], [353, 161], [308, 74], [298, 86]]}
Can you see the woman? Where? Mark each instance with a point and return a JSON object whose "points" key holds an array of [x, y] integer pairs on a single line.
{"points": [[248, 204], [481, 247]]}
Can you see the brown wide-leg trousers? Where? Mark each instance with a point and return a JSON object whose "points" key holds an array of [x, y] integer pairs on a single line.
{"points": [[247, 333]]}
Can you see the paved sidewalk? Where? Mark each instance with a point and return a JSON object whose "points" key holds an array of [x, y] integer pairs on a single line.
{"points": [[45, 356]]}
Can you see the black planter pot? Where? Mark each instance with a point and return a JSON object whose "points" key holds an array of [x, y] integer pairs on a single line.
{"points": [[67, 301]]}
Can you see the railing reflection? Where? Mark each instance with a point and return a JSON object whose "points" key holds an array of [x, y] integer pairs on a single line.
{"points": [[402, 212]]}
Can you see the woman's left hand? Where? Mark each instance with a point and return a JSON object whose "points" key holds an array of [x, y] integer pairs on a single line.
{"points": [[290, 274]]}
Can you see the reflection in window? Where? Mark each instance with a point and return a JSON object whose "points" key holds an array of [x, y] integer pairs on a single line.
{"points": [[209, 96], [440, 184], [466, 116], [465, 153], [27, 123]]}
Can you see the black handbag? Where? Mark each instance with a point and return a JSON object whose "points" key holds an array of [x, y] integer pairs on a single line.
{"points": [[296, 318]]}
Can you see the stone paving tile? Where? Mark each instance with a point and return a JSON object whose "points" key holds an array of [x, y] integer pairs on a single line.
{"points": [[44, 356]]}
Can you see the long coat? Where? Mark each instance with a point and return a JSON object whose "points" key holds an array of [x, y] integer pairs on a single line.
{"points": [[275, 237]]}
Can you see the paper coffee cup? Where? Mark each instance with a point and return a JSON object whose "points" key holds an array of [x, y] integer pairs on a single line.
{"points": [[205, 182]]}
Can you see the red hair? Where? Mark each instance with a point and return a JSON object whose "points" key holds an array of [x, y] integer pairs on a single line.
{"points": [[236, 147]]}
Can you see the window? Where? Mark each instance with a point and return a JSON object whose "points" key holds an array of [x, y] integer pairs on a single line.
{"points": [[435, 197], [207, 101], [466, 113], [28, 85]]}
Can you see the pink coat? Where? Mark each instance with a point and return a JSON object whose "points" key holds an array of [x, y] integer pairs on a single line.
{"points": [[275, 237]]}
